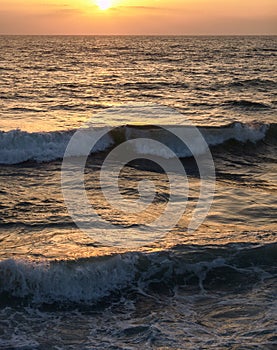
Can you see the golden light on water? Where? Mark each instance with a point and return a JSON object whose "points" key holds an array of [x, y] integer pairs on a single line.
{"points": [[104, 4]]}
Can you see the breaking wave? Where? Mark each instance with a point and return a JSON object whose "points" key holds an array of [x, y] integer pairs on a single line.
{"points": [[18, 146], [91, 280]]}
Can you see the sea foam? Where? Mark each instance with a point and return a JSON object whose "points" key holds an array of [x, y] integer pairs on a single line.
{"points": [[18, 146]]}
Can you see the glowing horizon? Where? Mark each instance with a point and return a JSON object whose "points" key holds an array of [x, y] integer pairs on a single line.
{"points": [[134, 17]]}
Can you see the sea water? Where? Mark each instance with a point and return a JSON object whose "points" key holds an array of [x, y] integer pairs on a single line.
{"points": [[211, 288]]}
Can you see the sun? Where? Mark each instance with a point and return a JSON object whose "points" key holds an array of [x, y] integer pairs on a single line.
{"points": [[104, 4]]}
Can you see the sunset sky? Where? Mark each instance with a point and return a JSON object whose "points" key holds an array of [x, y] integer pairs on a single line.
{"points": [[138, 17]]}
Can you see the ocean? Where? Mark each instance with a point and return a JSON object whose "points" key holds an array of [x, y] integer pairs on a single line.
{"points": [[138, 192]]}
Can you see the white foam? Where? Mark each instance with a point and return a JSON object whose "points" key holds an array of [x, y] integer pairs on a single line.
{"points": [[19, 146], [238, 131], [212, 136], [72, 281]]}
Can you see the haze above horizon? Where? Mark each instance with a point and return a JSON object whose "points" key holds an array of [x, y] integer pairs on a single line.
{"points": [[138, 17]]}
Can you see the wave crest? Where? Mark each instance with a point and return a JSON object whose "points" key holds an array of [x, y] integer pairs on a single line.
{"points": [[91, 280], [18, 146]]}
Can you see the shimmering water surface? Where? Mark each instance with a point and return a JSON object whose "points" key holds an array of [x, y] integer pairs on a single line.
{"points": [[214, 288]]}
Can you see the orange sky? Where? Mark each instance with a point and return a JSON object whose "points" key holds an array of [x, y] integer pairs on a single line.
{"points": [[139, 17]]}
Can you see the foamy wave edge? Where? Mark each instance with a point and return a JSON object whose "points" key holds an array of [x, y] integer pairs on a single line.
{"points": [[94, 279], [18, 146]]}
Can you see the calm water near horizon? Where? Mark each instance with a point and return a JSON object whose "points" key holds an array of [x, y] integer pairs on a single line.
{"points": [[214, 288]]}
